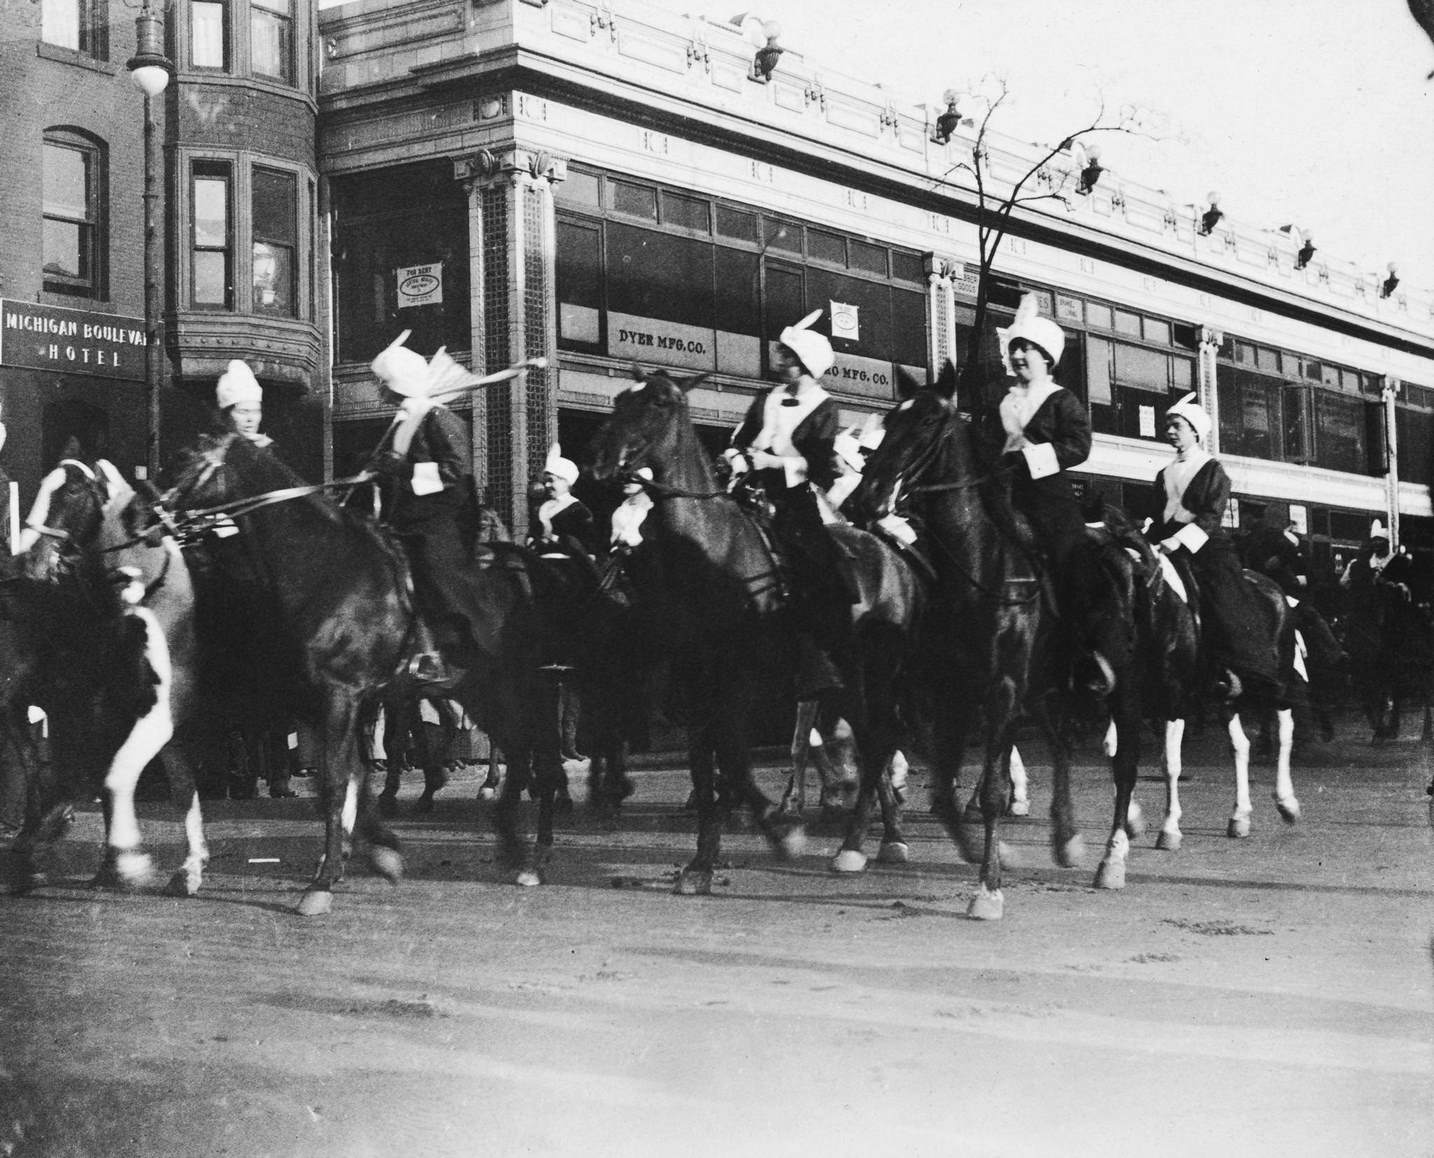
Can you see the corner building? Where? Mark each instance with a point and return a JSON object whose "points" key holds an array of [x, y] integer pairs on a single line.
{"points": [[600, 184]]}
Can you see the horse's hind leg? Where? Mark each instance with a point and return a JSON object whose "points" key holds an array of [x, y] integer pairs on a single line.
{"points": [[696, 878], [794, 800], [179, 767], [339, 797], [1110, 874]]}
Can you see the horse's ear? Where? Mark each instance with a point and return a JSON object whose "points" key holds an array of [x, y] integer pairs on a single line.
{"points": [[946, 380], [906, 385], [638, 373], [687, 384]]}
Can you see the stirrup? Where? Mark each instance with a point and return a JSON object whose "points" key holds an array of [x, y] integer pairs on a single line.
{"points": [[427, 667]]}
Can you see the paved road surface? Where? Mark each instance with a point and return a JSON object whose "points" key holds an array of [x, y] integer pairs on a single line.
{"points": [[1265, 997]]}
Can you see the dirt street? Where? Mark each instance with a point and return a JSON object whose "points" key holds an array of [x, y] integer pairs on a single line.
{"points": [[1269, 997]]}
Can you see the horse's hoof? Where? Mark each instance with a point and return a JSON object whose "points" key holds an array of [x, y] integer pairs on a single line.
{"points": [[315, 903], [788, 841], [693, 884], [1135, 821], [183, 884], [1168, 840], [1110, 875], [849, 860], [1289, 809], [387, 862], [1239, 826], [986, 905], [125, 871], [1069, 853], [387, 805], [527, 878], [894, 852], [1019, 808], [487, 792]]}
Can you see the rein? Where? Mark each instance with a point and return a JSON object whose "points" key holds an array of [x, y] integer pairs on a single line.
{"points": [[252, 503]]}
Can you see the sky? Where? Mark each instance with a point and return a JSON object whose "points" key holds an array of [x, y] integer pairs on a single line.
{"points": [[1314, 113]]}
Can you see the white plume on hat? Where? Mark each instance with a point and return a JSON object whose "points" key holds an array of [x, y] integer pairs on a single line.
{"points": [[560, 467], [1189, 409], [2, 438], [1377, 531], [402, 370], [811, 348], [237, 384], [1040, 332]]}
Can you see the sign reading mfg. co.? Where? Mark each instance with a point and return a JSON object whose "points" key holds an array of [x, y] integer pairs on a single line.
{"points": [[42, 337]]}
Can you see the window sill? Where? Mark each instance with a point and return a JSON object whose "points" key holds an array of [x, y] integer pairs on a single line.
{"points": [[72, 56]]}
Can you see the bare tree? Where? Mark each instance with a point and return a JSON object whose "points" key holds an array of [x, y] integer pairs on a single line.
{"points": [[1055, 171]]}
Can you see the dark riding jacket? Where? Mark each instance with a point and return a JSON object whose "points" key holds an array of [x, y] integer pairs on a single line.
{"points": [[440, 439], [1049, 502], [814, 438]]}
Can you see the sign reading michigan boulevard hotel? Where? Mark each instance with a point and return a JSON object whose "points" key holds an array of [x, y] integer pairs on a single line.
{"points": [[40, 337]]}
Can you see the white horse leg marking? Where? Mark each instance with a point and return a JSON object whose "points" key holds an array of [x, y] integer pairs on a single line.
{"points": [[150, 733], [350, 812], [1170, 834], [1110, 874], [1240, 744], [1111, 743], [191, 873], [1284, 783], [1020, 800]]}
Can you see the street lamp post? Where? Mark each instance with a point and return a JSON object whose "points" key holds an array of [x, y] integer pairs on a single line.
{"points": [[149, 68]]}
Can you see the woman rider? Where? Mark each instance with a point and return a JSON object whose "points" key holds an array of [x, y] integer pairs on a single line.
{"points": [[1191, 497]]}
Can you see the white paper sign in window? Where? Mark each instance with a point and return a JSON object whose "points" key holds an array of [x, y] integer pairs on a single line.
{"points": [[419, 285], [846, 321], [1147, 422]]}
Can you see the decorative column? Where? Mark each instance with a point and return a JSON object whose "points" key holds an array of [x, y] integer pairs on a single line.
{"points": [[512, 250], [1205, 378], [941, 273], [1387, 394]]}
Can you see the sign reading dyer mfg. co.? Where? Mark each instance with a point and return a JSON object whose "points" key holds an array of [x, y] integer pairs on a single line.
{"points": [[42, 337]]}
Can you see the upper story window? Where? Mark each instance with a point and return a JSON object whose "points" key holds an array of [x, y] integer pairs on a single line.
{"points": [[81, 25], [275, 233], [212, 233], [73, 181], [208, 34], [271, 38]]}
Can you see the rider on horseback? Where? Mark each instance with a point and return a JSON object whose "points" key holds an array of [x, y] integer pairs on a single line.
{"points": [[428, 499], [1047, 431], [1378, 563], [785, 446], [1191, 497]]}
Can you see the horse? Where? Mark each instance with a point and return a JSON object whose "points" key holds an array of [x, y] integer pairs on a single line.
{"points": [[989, 654], [108, 616], [1390, 643], [728, 626], [342, 589], [1175, 681]]}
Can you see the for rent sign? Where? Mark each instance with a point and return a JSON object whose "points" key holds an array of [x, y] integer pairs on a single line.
{"points": [[41, 337]]}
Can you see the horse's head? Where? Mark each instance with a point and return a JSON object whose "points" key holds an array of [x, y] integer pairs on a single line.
{"points": [[64, 520], [914, 448], [650, 426], [203, 478]]}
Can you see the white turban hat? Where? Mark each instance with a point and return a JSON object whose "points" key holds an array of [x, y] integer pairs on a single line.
{"points": [[560, 467], [1188, 408], [402, 370], [237, 384], [811, 348], [1040, 332]]}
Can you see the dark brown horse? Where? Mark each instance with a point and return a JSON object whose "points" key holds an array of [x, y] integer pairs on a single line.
{"points": [[342, 592], [728, 625], [989, 656]]}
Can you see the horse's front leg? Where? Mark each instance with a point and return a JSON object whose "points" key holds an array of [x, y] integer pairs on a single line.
{"points": [[339, 798], [1284, 783], [1170, 834], [1239, 825], [794, 800], [1110, 874], [696, 879], [989, 904]]}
